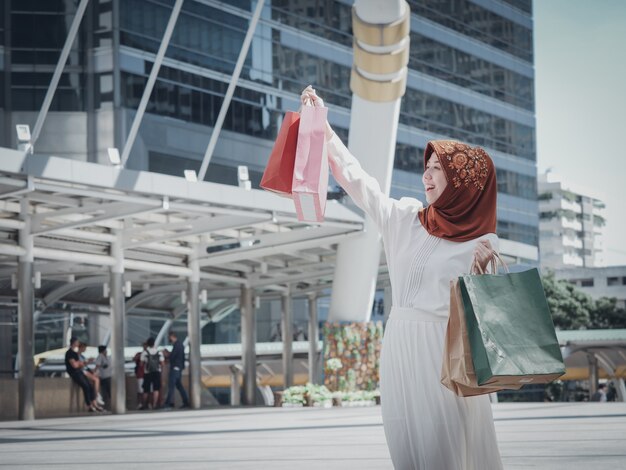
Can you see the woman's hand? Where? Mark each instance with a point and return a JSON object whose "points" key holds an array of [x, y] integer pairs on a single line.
{"points": [[309, 98], [483, 253]]}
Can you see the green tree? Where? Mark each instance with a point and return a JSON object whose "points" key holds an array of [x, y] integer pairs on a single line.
{"points": [[571, 309], [606, 314]]}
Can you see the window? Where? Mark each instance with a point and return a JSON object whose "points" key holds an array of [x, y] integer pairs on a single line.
{"points": [[248, 113], [448, 118], [586, 282], [455, 66], [518, 232], [613, 281], [471, 19]]}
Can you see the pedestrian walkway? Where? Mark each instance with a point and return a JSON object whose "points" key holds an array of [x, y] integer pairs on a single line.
{"points": [[532, 436]]}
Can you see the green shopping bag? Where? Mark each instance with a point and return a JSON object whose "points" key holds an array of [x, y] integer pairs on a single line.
{"points": [[510, 329]]}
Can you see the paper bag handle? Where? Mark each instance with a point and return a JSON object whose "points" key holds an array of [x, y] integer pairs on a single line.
{"points": [[495, 260]]}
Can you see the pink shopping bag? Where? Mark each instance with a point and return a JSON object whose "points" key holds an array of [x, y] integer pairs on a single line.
{"points": [[310, 173]]}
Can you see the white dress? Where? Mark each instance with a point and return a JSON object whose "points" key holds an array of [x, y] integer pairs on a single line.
{"points": [[427, 427]]}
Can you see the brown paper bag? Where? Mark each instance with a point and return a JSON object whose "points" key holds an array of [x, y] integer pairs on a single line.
{"points": [[457, 370]]}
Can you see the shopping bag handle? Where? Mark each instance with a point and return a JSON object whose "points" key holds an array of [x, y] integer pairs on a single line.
{"points": [[496, 259]]}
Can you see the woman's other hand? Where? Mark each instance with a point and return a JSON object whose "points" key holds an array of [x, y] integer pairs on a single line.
{"points": [[483, 253]]}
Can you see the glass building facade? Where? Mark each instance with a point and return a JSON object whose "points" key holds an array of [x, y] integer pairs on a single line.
{"points": [[471, 78]]}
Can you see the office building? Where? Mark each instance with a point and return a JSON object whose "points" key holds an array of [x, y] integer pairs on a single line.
{"points": [[571, 224], [471, 78]]}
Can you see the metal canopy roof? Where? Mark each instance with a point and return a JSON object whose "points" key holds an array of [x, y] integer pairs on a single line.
{"points": [[245, 237], [607, 347]]}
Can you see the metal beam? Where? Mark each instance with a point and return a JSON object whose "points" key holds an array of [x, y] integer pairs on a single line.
{"points": [[217, 128], [151, 80], [203, 225], [71, 35], [136, 300], [163, 331], [294, 278], [28, 187], [115, 210], [65, 289], [278, 247]]}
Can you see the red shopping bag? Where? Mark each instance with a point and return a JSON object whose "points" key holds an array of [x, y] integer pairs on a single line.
{"points": [[310, 172], [278, 174]]}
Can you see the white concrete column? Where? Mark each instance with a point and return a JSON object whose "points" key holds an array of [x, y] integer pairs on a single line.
{"points": [[378, 82], [287, 333], [313, 339], [26, 308], [193, 332], [248, 345], [118, 314]]}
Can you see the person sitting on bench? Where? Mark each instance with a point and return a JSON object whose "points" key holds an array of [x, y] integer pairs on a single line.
{"points": [[74, 367]]}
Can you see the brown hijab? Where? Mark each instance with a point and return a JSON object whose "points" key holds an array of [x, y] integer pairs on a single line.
{"points": [[467, 207]]}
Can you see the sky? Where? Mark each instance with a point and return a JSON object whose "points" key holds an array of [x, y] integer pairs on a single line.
{"points": [[580, 102]]}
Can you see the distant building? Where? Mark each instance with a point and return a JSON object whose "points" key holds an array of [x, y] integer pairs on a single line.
{"points": [[598, 282], [571, 221]]}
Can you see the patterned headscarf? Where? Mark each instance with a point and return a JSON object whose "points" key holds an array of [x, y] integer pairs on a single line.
{"points": [[466, 209]]}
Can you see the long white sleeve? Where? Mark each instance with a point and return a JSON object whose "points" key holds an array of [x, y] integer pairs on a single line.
{"points": [[362, 188]]}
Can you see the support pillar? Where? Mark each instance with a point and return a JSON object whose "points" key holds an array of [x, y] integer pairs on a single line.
{"points": [[248, 345], [117, 304], [378, 81], [314, 334], [26, 308], [287, 333], [593, 373], [193, 332], [621, 389], [6, 344], [235, 388]]}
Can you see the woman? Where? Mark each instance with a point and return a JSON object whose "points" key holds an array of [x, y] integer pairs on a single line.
{"points": [[426, 425]]}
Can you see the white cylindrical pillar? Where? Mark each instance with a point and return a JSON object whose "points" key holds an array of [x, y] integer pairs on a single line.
{"points": [[378, 81]]}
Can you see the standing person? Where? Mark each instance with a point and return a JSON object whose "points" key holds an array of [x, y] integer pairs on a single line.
{"points": [[426, 425], [177, 365], [103, 370], [600, 394], [139, 373], [74, 367], [152, 361]]}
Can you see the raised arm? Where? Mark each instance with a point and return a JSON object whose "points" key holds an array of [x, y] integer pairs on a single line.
{"points": [[361, 187]]}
